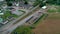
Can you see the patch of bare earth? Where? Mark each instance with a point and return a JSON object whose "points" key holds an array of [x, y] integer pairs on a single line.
{"points": [[49, 26]]}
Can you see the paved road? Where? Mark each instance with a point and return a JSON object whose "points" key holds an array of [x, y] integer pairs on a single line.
{"points": [[7, 26], [12, 27], [3, 28]]}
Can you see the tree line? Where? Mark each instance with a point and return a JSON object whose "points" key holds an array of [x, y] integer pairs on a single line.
{"points": [[41, 2], [57, 2]]}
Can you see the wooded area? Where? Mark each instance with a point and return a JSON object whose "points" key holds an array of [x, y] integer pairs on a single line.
{"points": [[57, 2]]}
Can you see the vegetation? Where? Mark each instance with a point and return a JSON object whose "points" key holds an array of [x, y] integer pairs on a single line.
{"points": [[9, 2], [42, 3], [22, 30], [57, 2], [7, 14], [39, 2], [26, 29], [51, 10], [54, 9], [22, 11], [26, 2], [15, 16]]}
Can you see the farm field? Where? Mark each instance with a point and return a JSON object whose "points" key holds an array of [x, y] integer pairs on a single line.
{"points": [[50, 25]]}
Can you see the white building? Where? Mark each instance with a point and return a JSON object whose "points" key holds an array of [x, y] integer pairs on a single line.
{"points": [[44, 7], [1, 13]]}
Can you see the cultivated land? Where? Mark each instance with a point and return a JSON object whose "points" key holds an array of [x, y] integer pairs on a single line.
{"points": [[50, 25]]}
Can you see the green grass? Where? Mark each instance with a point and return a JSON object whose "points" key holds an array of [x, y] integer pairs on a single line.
{"points": [[51, 10], [58, 9], [22, 11], [22, 30], [15, 16], [7, 14], [54, 9]]}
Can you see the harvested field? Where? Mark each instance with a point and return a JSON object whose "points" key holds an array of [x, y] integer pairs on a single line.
{"points": [[51, 25]]}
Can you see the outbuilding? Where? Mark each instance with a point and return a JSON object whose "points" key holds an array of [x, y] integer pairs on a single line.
{"points": [[44, 7]]}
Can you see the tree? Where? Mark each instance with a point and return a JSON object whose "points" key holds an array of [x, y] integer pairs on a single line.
{"points": [[57, 2], [36, 2], [26, 1], [9, 2], [40, 2]]}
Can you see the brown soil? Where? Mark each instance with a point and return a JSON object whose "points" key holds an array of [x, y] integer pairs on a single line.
{"points": [[49, 26]]}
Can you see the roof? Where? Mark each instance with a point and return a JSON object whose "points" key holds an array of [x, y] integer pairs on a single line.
{"points": [[44, 7], [1, 20]]}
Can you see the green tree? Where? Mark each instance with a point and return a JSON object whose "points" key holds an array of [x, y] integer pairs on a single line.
{"points": [[9, 2], [36, 2], [26, 1], [40, 2], [57, 2]]}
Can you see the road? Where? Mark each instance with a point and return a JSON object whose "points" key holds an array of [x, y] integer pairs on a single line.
{"points": [[12, 27], [7, 26]]}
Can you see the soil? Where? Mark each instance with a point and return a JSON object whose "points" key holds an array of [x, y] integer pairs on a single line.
{"points": [[51, 25]]}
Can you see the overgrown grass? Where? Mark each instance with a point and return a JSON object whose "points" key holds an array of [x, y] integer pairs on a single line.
{"points": [[59, 9], [51, 11], [54, 9]]}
